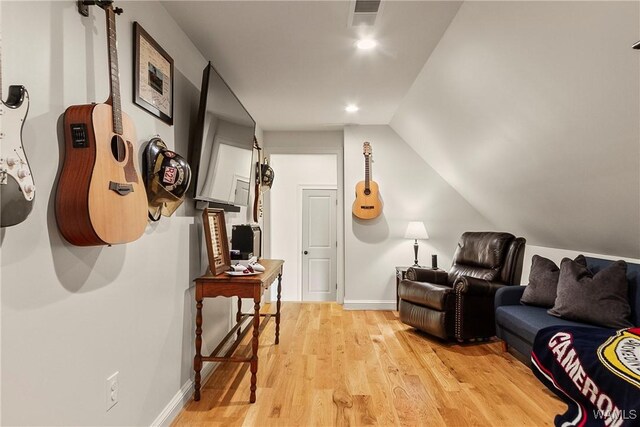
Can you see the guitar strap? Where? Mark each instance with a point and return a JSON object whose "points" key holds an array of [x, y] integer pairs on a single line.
{"points": [[258, 172]]}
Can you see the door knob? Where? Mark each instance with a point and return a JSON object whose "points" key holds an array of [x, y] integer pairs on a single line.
{"points": [[305, 252]]}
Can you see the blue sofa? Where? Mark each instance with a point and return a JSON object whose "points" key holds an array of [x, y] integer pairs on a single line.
{"points": [[518, 324]]}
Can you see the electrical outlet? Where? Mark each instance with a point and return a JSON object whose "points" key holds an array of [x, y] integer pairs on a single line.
{"points": [[113, 388]]}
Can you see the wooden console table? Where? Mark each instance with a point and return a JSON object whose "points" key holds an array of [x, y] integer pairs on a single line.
{"points": [[223, 285]]}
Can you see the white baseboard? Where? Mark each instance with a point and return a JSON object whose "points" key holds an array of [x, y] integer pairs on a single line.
{"points": [[351, 304], [182, 397]]}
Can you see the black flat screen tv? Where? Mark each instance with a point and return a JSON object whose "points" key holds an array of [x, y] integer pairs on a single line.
{"points": [[222, 148]]}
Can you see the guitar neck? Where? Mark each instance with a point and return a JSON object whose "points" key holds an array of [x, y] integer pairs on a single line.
{"points": [[367, 171], [114, 74]]}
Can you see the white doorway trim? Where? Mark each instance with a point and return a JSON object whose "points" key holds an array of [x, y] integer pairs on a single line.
{"points": [[270, 150]]}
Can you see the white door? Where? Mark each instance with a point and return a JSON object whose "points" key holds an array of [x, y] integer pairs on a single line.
{"points": [[319, 245]]}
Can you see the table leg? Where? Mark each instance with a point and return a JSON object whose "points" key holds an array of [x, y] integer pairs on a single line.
{"points": [[197, 360], [278, 309], [397, 295], [239, 314], [254, 347]]}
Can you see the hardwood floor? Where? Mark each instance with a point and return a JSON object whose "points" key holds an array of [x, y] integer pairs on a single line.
{"points": [[356, 368]]}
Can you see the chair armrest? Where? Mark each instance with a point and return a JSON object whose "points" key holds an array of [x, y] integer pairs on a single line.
{"points": [[475, 313], [438, 277], [476, 287], [509, 295]]}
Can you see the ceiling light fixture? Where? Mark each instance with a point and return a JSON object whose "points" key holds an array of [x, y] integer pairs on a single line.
{"points": [[366, 44], [351, 108]]}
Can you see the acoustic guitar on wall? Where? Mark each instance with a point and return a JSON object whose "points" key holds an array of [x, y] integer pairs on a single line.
{"points": [[101, 198], [367, 204]]}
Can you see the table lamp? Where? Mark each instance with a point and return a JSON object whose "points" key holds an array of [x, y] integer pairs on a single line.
{"points": [[416, 230]]}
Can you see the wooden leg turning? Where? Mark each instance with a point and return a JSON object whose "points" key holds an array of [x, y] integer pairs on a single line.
{"points": [[239, 314], [197, 360], [278, 309], [254, 347]]}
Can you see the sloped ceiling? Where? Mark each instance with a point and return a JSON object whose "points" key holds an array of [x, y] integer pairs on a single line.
{"points": [[294, 64], [531, 111]]}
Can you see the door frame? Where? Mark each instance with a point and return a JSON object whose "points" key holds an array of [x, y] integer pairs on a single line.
{"points": [[339, 152], [299, 213]]}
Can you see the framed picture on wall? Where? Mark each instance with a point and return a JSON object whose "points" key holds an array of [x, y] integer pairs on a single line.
{"points": [[215, 234], [152, 76]]}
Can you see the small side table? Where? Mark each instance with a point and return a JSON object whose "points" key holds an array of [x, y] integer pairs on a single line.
{"points": [[400, 273], [222, 285]]}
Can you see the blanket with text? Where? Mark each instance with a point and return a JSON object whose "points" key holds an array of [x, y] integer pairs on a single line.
{"points": [[595, 371]]}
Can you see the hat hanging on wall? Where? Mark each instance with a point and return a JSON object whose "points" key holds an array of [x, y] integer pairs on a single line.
{"points": [[267, 174], [166, 178]]}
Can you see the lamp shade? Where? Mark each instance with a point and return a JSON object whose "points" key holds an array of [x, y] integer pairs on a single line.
{"points": [[416, 230]]}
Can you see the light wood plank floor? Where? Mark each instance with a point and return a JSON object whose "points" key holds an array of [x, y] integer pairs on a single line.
{"points": [[353, 368]]}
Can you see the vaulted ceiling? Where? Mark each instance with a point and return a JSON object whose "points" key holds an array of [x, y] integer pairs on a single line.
{"points": [[295, 65], [530, 110]]}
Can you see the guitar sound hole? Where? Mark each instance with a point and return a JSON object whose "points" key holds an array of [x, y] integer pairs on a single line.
{"points": [[118, 148], [367, 192]]}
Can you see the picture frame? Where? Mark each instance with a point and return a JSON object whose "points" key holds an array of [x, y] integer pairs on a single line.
{"points": [[215, 234], [152, 76]]}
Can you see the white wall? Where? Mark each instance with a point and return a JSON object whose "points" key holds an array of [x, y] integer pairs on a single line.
{"points": [[328, 142], [295, 172], [72, 316], [411, 191], [530, 111]]}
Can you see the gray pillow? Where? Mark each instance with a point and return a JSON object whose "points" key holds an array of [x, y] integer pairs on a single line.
{"points": [[543, 281], [600, 299]]}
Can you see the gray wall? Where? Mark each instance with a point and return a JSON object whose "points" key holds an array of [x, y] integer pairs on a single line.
{"points": [[72, 316], [530, 110]]}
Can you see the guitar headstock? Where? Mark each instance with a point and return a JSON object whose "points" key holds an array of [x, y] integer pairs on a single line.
{"points": [[107, 4], [366, 149]]}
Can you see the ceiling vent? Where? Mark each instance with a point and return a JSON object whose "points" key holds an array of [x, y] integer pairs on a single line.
{"points": [[364, 12]]}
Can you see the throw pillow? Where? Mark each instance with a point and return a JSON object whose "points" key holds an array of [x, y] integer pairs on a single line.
{"points": [[600, 299], [543, 281]]}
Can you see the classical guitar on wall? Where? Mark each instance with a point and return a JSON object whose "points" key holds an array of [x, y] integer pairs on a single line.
{"points": [[367, 204], [17, 190], [101, 198]]}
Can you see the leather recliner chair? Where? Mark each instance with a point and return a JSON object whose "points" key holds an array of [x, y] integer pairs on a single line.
{"points": [[459, 304]]}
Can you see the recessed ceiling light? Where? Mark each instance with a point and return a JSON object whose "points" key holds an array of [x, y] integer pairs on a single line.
{"points": [[366, 44], [351, 108]]}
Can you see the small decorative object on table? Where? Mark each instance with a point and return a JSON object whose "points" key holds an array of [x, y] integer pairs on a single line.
{"points": [[215, 234], [416, 230]]}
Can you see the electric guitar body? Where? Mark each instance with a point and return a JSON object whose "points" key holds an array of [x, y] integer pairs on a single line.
{"points": [[367, 204], [17, 190], [101, 198]]}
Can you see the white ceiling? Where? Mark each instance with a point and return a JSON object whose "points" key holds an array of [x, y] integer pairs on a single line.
{"points": [[294, 65]]}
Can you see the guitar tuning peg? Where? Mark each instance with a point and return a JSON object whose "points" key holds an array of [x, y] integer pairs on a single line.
{"points": [[118, 10]]}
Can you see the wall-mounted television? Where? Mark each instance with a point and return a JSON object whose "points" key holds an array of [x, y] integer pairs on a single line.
{"points": [[222, 148]]}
